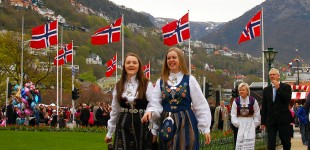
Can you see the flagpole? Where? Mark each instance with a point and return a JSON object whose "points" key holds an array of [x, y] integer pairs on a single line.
{"points": [[122, 40], [150, 70], [116, 67], [72, 82], [263, 57], [22, 56], [62, 28], [189, 50], [57, 84]]}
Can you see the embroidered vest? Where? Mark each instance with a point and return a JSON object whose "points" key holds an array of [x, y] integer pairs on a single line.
{"points": [[250, 106]]}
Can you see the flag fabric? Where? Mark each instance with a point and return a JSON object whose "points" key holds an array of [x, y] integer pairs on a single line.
{"points": [[64, 55], [111, 64], [290, 65], [147, 70], [45, 35], [176, 31], [108, 34], [252, 29]]}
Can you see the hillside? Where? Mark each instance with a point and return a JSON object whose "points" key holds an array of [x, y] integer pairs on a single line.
{"points": [[143, 41], [286, 28]]}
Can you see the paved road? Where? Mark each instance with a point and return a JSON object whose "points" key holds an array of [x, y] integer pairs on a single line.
{"points": [[296, 141]]}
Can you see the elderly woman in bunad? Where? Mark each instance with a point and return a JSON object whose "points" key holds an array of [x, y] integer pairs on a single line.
{"points": [[131, 96], [245, 115], [185, 109]]}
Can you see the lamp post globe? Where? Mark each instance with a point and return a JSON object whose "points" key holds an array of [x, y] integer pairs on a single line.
{"points": [[269, 54]]}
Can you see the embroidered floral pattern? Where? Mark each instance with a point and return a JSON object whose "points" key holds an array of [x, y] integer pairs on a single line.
{"points": [[174, 95]]}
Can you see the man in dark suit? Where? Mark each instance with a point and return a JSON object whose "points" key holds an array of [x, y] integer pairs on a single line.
{"points": [[275, 111]]}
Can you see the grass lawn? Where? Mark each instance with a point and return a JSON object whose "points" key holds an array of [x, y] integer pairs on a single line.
{"points": [[29, 140]]}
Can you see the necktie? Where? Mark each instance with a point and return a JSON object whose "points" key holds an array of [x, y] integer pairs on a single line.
{"points": [[274, 93]]}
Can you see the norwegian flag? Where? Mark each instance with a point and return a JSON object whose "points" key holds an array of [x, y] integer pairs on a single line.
{"points": [[252, 29], [108, 34], [111, 64], [64, 55], [147, 70], [176, 31], [45, 35]]}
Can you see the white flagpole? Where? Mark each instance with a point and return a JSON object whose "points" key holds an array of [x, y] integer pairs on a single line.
{"points": [[150, 70], [22, 57], [57, 84], [189, 50], [72, 82], [122, 39], [62, 28], [116, 67], [263, 57]]}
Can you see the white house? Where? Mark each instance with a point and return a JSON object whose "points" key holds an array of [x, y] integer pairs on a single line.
{"points": [[93, 59]]}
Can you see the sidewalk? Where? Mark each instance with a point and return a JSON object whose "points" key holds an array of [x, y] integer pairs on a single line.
{"points": [[296, 141]]}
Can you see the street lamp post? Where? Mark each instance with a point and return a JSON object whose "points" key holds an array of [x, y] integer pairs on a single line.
{"points": [[297, 61], [269, 55]]}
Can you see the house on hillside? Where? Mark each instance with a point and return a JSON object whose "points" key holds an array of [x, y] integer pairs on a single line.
{"points": [[19, 3], [93, 59]]}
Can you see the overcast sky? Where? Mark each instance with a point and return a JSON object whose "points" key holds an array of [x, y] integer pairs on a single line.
{"points": [[199, 10]]}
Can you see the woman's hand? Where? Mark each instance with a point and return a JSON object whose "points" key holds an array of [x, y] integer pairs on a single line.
{"points": [[146, 117], [107, 140], [208, 138]]}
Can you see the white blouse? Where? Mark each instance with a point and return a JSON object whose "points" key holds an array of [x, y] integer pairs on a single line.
{"points": [[132, 86], [256, 116], [200, 105]]}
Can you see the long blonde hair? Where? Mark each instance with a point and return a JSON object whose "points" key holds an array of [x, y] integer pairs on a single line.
{"points": [[165, 69]]}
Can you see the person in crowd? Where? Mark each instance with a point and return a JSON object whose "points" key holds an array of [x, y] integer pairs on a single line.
{"points": [[91, 121], [307, 107], [245, 115], [85, 114], [95, 108], [303, 123], [212, 109], [77, 116], [295, 108], [61, 120], [53, 118], [131, 96], [99, 115], [185, 108], [292, 121], [275, 112], [221, 117], [106, 114], [11, 115]]}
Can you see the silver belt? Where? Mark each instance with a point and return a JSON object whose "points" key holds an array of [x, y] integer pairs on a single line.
{"points": [[132, 110]]}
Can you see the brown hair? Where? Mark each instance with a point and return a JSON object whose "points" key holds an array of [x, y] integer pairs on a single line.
{"points": [[142, 80], [166, 71]]}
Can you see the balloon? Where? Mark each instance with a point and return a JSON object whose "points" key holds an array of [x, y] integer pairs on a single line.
{"points": [[36, 98], [19, 106], [28, 112], [24, 101], [16, 87], [23, 92], [14, 102], [33, 105]]}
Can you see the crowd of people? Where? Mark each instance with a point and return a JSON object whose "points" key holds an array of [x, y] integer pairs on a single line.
{"points": [[173, 112], [83, 115]]}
